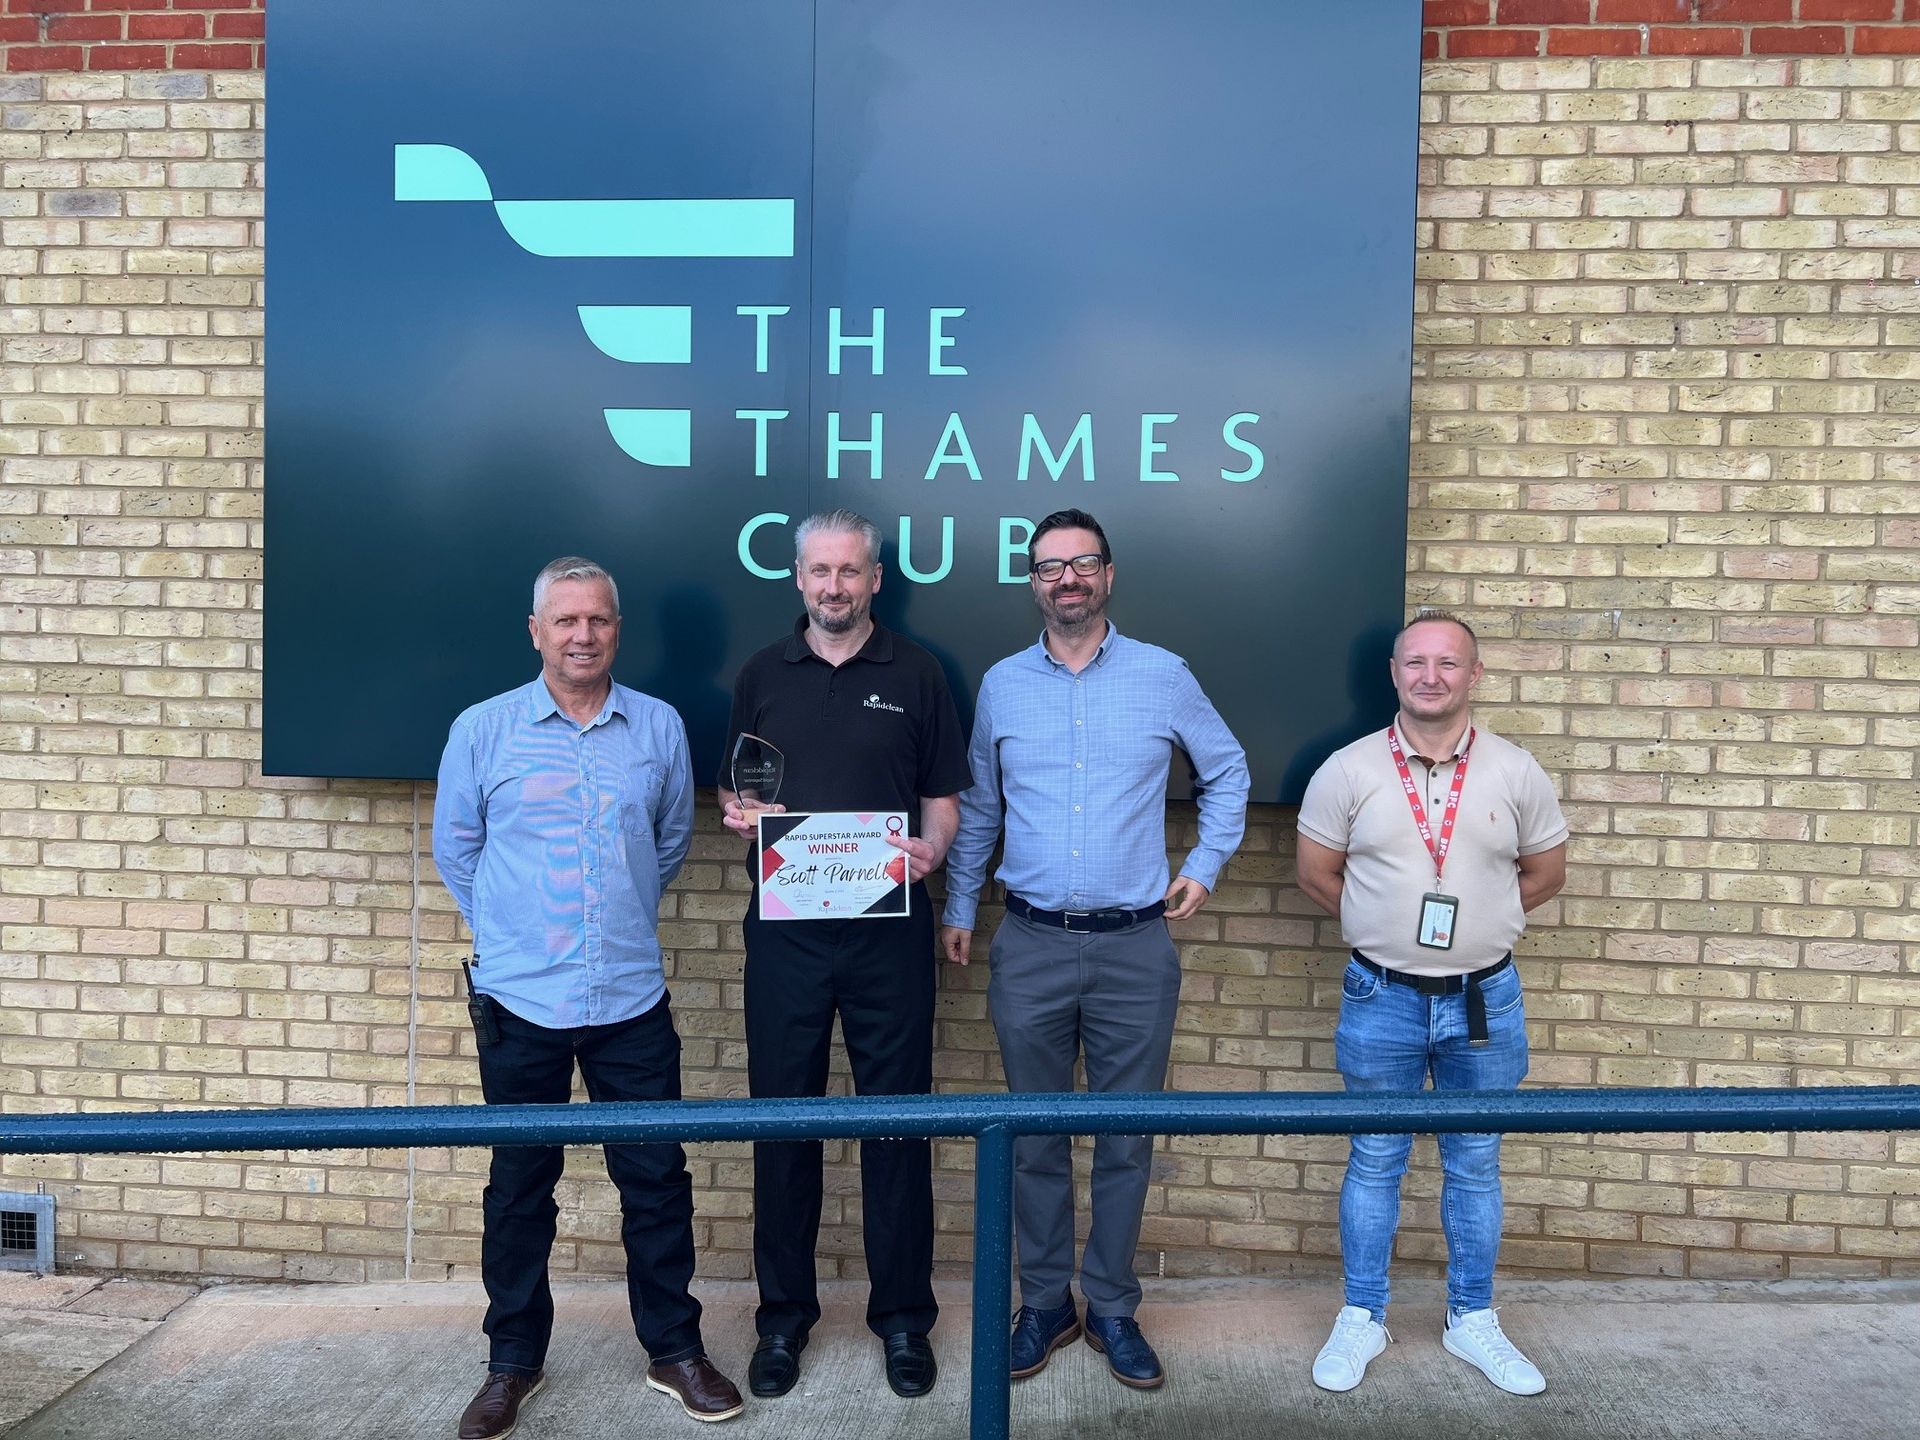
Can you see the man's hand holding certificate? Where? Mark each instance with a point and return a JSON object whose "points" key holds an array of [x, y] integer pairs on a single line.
{"points": [[832, 865]]}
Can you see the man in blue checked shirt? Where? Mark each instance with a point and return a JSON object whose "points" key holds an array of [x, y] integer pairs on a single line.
{"points": [[564, 808], [1072, 741]]}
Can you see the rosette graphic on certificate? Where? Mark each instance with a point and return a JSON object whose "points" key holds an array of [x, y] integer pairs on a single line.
{"points": [[832, 865]]}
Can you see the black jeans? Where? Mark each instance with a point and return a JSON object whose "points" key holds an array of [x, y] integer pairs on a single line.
{"points": [[637, 1059], [879, 975]]}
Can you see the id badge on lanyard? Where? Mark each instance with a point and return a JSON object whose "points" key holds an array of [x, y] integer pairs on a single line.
{"points": [[1437, 916], [1439, 913]]}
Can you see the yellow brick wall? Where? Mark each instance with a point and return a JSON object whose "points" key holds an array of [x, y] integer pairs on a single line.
{"points": [[1666, 455]]}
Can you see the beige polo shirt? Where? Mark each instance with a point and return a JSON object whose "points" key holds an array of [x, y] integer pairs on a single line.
{"points": [[1356, 803]]}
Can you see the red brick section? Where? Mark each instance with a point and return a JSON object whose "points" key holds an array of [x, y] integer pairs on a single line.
{"points": [[132, 34], [1478, 29], [231, 34], [1581, 40], [1798, 40]]}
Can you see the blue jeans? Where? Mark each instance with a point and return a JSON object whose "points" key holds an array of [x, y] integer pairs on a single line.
{"points": [[1389, 1039]]}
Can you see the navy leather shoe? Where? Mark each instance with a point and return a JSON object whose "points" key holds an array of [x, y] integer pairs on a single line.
{"points": [[910, 1368], [1038, 1333], [1128, 1354]]}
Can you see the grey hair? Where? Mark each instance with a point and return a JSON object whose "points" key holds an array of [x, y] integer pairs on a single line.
{"points": [[571, 567], [836, 522]]}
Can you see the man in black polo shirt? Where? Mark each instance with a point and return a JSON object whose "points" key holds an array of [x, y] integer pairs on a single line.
{"points": [[866, 723]]}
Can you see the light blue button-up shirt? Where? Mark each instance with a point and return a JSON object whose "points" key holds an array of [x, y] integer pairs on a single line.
{"points": [[1078, 764], [556, 840]]}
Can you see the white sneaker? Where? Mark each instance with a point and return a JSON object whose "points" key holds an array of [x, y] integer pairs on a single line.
{"points": [[1357, 1337], [1476, 1338]]}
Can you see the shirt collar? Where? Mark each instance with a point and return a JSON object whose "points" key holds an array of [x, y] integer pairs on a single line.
{"points": [[1459, 750], [879, 646], [1099, 656], [541, 705]]}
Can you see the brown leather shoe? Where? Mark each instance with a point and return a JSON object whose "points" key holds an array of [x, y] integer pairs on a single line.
{"points": [[492, 1414], [703, 1392]]}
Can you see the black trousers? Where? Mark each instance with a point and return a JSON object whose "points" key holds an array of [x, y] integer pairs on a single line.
{"points": [[637, 1059], [879, 976]]}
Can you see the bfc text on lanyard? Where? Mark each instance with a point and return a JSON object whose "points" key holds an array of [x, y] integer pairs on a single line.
{"points": [[1439, 914], [1437, 849]]}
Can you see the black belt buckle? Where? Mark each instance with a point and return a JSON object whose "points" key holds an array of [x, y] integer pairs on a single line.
{"points": [[1067, 917]]}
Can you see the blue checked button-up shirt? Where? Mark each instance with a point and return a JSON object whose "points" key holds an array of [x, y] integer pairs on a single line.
{"points": [[1079, 765], [556, 840]]}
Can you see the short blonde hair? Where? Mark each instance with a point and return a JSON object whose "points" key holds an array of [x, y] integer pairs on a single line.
{"points": [[1421, 617]]}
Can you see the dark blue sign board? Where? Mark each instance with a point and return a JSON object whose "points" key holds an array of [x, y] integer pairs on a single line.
{"points": [[651, 281]]}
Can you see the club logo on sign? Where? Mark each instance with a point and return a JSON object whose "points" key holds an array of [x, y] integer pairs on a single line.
{"points": [[625, 229]]}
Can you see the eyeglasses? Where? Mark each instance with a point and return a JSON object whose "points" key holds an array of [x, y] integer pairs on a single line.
{"points": [[1051, 570]]}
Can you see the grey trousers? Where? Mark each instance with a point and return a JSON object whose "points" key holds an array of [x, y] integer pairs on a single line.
{"points": [[1053, 995]]}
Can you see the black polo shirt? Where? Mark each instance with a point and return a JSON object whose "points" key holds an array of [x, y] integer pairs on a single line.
{"points": [[874, 733]]}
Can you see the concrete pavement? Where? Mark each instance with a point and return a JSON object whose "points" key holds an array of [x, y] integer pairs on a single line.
{"points": [[55, 1330], [1630, 1360]]}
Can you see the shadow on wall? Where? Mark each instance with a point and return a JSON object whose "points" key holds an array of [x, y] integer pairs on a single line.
{"points": [[1369, 693], [891, 607]]}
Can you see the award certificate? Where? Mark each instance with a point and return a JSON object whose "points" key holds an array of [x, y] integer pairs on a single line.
{"points": [[831, 865]]}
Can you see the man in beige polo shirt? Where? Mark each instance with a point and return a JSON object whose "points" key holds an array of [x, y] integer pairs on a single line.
{"points": [[1430, 840]]}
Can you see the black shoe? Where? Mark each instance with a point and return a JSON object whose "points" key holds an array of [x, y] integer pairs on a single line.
{"points": [[910, 1367], [775, 1365]]}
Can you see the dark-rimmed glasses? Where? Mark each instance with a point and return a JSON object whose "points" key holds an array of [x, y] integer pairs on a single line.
{"points": [[1051, 570]]}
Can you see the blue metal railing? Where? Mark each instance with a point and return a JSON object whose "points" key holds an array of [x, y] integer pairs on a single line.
{"points": [[993, 1121]]}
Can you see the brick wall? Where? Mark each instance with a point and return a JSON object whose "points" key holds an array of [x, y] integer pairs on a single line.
{"points": [[64, 35], [1512, 29], [1667, 428], [1667, 414]]}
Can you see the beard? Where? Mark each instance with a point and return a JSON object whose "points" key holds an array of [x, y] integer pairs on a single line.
{"points": [[1076, 621], [830, 624]]}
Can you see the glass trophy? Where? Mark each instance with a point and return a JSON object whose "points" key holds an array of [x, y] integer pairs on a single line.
{"points": [[757, 769]]}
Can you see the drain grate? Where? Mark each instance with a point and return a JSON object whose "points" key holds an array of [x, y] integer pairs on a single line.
{"points": [[26, 1232]]}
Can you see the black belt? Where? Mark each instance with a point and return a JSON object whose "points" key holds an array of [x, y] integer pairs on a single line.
{"points": [[1085, 922], [1448, 985]]}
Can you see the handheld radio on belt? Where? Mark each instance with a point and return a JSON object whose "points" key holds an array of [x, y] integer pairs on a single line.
{"points": [[486, 1028]]}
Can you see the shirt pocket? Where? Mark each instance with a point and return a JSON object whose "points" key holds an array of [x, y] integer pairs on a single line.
{"points": [[640, 797]]}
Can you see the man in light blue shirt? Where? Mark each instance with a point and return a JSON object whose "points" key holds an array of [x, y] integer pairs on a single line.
{"points": [[564, 808], [1072, 742]]}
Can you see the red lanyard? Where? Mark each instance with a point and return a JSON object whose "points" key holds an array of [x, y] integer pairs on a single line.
{"points": [[1439, 851]]}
